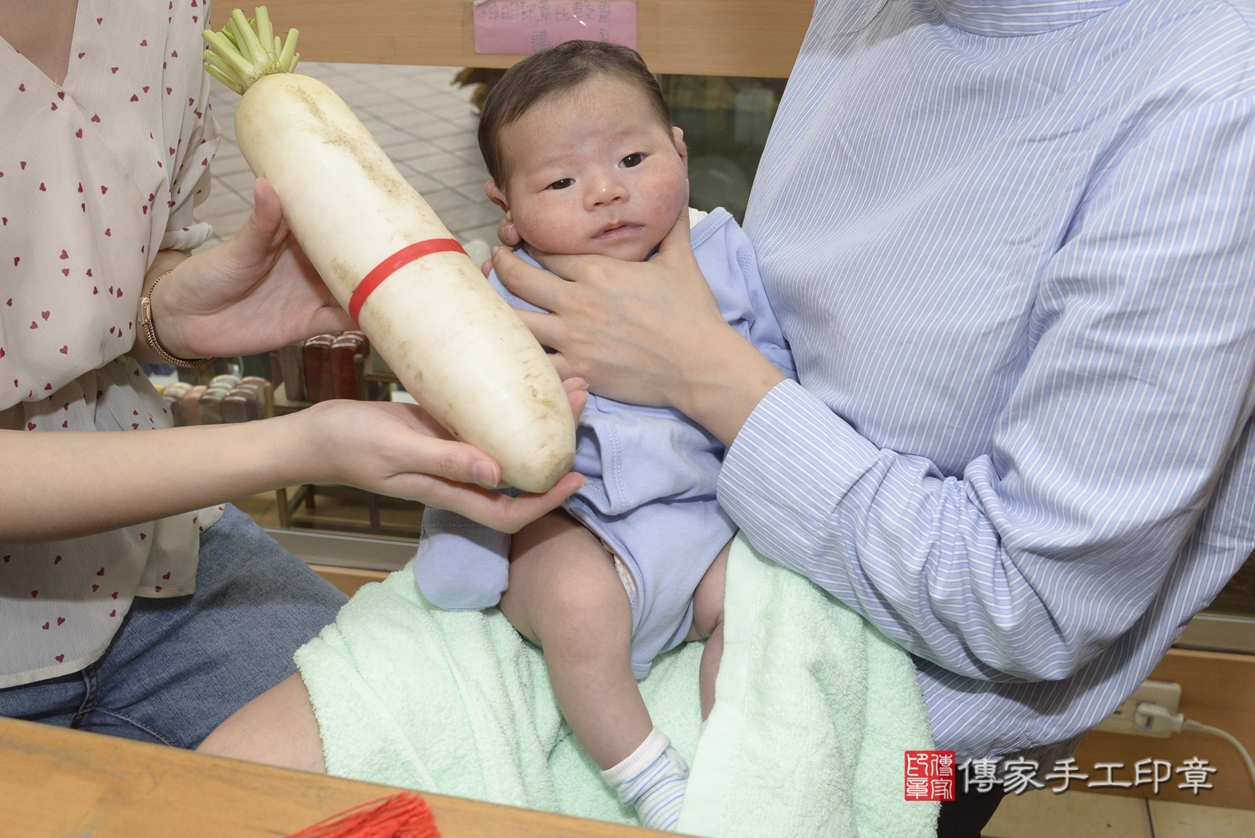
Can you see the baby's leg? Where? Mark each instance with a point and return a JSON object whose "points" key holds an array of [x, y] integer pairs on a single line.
{"points": [[566, 597], [708, 625]]}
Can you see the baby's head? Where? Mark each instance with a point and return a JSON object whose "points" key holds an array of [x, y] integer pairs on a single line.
{"points": [[582, 152]]}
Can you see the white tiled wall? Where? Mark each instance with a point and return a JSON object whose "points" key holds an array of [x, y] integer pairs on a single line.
{"points": [[424, 122]]}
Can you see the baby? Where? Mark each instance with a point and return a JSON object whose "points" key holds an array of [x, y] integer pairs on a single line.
{"points": [[584, 159]]}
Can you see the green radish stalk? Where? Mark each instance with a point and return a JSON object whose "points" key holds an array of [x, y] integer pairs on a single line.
{"points": [[451, 340]]}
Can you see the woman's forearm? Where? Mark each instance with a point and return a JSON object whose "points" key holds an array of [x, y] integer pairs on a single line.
{"points": [[723, 383], [63, 485], [72, 484]]}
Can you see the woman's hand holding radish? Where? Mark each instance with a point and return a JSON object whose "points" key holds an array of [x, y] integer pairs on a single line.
{"points": [[400, 450], [643, 332], [255, 292]]}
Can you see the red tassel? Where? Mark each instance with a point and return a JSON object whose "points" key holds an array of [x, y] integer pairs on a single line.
{"points": [[403, 815]]}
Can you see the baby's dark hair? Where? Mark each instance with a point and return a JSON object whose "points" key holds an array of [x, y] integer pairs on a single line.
{"points": [[557, 70]]}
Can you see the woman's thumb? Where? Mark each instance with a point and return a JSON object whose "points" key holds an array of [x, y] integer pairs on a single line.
{"points": [[265, 219], [678, 240]]}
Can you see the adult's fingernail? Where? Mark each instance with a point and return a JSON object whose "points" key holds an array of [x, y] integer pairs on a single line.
{"points": [[484, 474], [495, 250]]}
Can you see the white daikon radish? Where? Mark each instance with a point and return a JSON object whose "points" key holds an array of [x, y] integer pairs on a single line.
{"points": [[455, 345]]}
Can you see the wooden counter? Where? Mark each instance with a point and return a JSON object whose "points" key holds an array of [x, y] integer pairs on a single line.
{"points": [[57, 782]]}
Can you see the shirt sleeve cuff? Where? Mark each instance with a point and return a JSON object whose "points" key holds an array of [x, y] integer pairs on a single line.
{"points": [[186, 238], [790, 467]]}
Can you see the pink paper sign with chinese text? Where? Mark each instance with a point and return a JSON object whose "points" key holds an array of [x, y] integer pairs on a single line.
{"points": [[523, 27]]}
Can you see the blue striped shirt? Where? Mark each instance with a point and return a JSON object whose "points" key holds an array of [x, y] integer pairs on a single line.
{"points": [[1011, 245]]}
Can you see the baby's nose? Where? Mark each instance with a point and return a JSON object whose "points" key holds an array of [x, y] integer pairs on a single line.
{"points": [[606, 189]]}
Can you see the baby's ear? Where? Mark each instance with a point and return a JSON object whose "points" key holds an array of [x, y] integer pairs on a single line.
{"points": [[677, 137], [495, 195]]}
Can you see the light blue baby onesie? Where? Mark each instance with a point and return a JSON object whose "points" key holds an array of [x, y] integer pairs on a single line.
{"points": [[651, 473]]}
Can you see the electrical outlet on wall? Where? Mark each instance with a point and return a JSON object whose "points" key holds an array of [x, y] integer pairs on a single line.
{"points": [[1164, 693]]}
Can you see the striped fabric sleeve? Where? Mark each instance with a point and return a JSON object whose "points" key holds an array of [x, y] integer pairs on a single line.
{"points": [[1139, 384]]}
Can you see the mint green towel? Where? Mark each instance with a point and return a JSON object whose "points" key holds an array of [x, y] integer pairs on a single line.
{"points": [[813, 711]]}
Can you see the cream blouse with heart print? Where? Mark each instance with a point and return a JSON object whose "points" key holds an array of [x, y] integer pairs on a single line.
{"points": [[96, 176]]}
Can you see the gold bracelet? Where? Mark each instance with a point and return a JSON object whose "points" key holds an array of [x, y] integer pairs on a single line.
{"points": [[150, 330]]}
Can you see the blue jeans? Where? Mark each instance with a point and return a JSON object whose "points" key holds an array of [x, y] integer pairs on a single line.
{"points": [[178, 667]]}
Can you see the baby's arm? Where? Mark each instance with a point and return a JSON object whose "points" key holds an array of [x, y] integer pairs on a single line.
{"points": [[460, 565], [565, 596]]}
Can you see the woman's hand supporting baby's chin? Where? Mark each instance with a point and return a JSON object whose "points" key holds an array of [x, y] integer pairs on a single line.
{"points": [[508, 233], [643, 332]]}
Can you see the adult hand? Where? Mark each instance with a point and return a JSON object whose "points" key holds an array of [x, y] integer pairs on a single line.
{"points": [[507, 232], [255, 292], [643, 332], [400, 450], [509, 236]]}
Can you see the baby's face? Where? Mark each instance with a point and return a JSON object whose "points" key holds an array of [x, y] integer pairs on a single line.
{"points": [[595, 171]]}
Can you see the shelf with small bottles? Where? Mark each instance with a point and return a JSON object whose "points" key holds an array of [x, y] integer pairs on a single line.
{"points": [[331, 366]]}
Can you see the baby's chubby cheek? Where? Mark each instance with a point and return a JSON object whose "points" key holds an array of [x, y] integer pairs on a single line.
{"points": [[550, 232], [674, 199], [566, 245]]}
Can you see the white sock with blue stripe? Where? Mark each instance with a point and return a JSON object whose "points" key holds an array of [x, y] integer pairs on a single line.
{"points": [[652, 780]]}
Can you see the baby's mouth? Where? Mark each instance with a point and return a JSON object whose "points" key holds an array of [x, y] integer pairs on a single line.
{"points": [[615, 231]]}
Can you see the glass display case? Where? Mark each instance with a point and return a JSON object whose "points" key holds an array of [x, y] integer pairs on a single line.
{"points": [[725, 122]]}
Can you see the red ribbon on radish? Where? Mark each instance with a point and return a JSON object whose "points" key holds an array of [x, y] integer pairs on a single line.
{"points": [[389, 266]]}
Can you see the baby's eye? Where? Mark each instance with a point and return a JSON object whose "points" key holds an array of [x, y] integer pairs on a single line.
{"points": [[562, 184], [631, 160]]}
